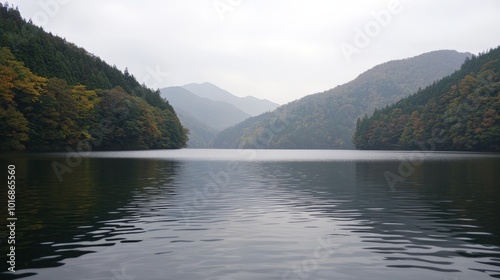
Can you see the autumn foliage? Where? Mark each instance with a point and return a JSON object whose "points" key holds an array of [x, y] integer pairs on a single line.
{"points": [[460, 112], [55, 96]]}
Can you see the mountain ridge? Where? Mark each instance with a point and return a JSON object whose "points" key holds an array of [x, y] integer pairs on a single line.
{"points": [[56, 96], [248, 104], [326, 120], [203, 117], [216, 114], [459, 113]]}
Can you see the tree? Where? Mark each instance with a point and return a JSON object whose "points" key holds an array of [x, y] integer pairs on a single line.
{"points": [[459, 112], [19, 89]]}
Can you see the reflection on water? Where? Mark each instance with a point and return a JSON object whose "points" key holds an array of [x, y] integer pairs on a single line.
{"points": [[118, 216], [60, 220]]}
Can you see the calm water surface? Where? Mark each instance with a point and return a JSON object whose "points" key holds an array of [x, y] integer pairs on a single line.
{"points": [[238, 215]]}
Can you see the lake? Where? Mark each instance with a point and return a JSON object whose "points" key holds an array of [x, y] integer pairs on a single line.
{"points": [[246, 214]]}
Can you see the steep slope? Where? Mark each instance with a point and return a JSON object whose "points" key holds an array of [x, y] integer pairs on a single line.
{"points": [[327, 120], [56, 96], [200, 134], [51, 56], [215, 114], [249, 104], [460, 112]]}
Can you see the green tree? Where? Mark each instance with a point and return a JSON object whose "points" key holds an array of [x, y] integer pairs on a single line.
{"points": [[19, 89]]}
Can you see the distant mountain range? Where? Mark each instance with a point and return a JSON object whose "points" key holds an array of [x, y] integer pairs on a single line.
{"points": [[206, 109], [249, 104], [327, 120], [216, 114], [200, 133]]}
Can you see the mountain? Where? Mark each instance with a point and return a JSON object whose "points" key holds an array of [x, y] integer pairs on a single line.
{"points": [[460, 112], [218, 115], [203, 117], [200, 134], [56, 96], [327, 120], [250, 105]]}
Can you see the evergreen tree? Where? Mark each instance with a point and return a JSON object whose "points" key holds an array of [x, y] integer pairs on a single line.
{"points": [[459, 112]]}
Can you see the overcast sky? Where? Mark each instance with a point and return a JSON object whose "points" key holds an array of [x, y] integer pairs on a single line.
{"points": [[280, 50]]}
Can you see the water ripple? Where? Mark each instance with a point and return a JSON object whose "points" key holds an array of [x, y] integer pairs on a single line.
{"points": [[265, 219]]}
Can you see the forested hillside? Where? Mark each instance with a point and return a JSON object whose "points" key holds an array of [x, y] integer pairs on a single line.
{"points": [[327, 120], [459, 112], [55, 95]]}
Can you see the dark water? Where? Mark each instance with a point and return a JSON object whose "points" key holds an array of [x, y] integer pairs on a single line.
{"points": [[237, 215]]}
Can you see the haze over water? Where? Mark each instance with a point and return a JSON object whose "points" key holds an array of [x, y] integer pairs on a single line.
{"points": [[267, 214]]}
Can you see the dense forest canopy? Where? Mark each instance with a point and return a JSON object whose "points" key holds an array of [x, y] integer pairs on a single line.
{"points": [[459, 112], [55, 95], [327, 120]]}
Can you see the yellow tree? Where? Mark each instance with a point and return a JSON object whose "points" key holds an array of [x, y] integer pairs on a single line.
{"points": [[19, 88]]}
